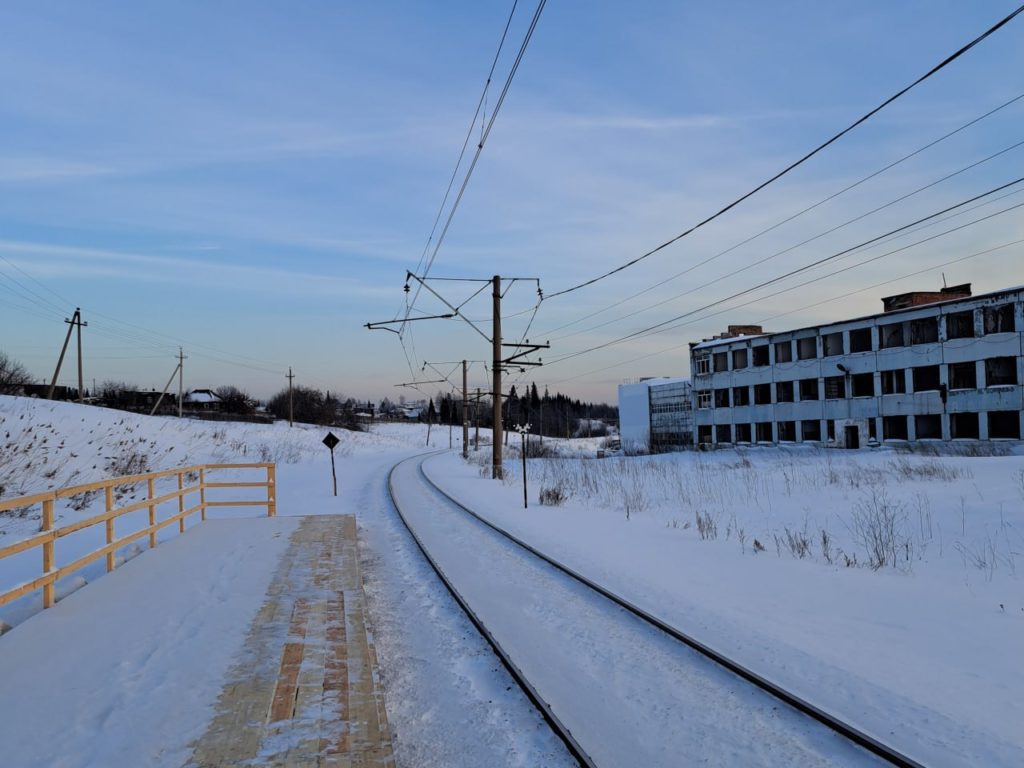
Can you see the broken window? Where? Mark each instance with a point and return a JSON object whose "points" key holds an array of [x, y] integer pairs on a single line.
{"points": [[742, 433], [999, 319], [832, 344], [890, 336], [835, 387], [928, 427], [787, 431], [704, 398], [721, 398], [701, 365], [762, 394], [784, 352], [894, 427], [926, 378], [721, 362], [704, 434], [863, 384], [739, 359], [764, 431], [860, 340], [760, 355], [963, 425], [807, 348], [741, 396], [894, 382], [1000, 371], [1004, 424], [924, 331], [808, 389], [963, 375], [810, 430], [723, 433], [960, 325], [784, 392]]}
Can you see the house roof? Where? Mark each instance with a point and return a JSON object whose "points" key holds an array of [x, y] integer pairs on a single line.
{"points": [[202, 396]]}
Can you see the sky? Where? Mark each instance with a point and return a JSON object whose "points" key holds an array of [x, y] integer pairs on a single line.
{"points": [[251, 181]]}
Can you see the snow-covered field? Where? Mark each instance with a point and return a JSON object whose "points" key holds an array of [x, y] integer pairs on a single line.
{"points": [[881, 585]]}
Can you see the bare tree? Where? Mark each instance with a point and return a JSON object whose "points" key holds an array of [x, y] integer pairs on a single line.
{"points": [[235, 400], [13, 376]]}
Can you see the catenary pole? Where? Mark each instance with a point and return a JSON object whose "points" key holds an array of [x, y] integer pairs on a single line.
{"points": [[465, 414], [496, 472]]}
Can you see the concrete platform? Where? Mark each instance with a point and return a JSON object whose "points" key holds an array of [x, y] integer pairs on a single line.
{"points": [[305, 690]]}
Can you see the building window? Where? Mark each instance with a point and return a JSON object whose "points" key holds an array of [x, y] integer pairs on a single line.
{"points": [[808, 389], [832, 344], [721, 361], [721, 398], [760, 355], [863, 384], [830, 429], [928, 427], [742, 433], [924, 331], [783, 351], [872, 429], [1004, 425], [701, 365], [1000, 371], [787, 431], [764, 431], [860, 340], [807, 348], [926, 378], [835, 387], [894, 427], [762, 394], [963, 375], [704, 434], [704, 398], [810, 430], [741, 396], [739, 359], [890, 336], [999, 319], [960, 325], [963, 425], [784, 392], [723, 433], [894, 382]]}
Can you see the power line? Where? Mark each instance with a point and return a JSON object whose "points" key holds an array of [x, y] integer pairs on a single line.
{"points": [[941, 65]]}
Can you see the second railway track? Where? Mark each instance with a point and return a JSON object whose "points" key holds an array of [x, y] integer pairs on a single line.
{"points": [[620, 686]]}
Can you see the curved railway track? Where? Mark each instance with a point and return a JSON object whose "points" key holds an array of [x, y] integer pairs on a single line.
{"points": [[833, 723]]}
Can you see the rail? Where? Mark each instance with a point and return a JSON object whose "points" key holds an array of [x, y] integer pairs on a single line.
{"points": [[48, 535]]}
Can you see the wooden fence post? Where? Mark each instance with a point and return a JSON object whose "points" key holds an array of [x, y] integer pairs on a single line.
{"points": [[110, 527], [181, 502], [202, 493], [48, 553], [152, 515], [271, 490]]}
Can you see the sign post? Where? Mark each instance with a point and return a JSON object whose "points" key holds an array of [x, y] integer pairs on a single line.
{"points": [[331, 441], [523, 430]]}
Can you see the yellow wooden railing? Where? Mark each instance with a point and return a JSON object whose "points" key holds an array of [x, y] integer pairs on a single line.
{"points": [[48, 535]]}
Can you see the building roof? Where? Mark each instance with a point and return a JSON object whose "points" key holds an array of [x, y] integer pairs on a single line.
{"points": [[202, 396]]}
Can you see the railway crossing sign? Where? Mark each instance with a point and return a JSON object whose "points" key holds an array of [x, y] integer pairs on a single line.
{"points": [[331, 441]]}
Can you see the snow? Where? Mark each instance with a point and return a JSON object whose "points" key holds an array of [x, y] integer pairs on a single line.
{"points": [[924, 653]]}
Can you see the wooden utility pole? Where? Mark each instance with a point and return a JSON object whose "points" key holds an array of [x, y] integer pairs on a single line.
{"points": [[75, 321], [496, 472], [290, 377], [181, 381], [166, 387], [465, 414]]}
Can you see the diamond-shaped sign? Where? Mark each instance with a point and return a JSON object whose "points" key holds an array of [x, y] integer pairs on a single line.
{"points": [[331, 440]]}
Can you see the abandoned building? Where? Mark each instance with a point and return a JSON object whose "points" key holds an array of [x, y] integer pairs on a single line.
{"points": [[656, 414], [935, 365]]}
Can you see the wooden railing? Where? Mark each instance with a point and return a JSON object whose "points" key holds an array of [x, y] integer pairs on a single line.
{"points": [[48, 535]]}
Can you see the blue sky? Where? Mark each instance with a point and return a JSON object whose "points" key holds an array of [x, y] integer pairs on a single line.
{"points": [[251, 180]]}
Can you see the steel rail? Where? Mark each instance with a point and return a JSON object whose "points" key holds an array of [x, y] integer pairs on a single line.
{"points": [[560, 729], [862, 739]]}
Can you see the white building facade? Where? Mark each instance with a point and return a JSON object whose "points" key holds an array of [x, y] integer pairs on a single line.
{"points": [[931, 368], [656, 415]]}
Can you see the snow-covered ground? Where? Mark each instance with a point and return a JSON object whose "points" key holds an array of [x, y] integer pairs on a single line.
{"points": [[773, 555]]}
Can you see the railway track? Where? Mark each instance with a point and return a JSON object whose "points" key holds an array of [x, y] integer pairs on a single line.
{"points": [[865, 748]]}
